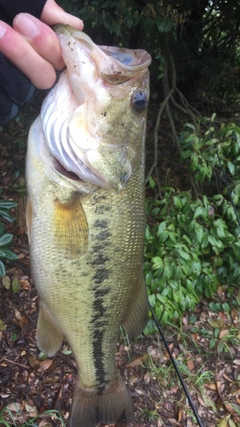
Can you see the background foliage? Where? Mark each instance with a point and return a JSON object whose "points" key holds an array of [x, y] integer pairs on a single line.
{"points": [[193, 246], [6, 238]]}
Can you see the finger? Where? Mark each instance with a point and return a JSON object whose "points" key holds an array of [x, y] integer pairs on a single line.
{"points": [[23, 56], [40, 36], [53, 14]]}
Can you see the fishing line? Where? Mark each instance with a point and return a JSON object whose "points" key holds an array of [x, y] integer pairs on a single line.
{"points": [[176, 369]]}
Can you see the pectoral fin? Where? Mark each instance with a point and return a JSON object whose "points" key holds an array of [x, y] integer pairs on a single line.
{"points": [[137, 315], [71, 227], [49, 338]]}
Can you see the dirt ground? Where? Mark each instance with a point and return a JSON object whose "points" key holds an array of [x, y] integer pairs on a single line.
{"points": [[30, 385]]}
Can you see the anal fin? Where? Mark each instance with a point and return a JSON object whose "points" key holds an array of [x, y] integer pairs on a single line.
{"points": [[137, 316], [112, 405], [49, 338]]}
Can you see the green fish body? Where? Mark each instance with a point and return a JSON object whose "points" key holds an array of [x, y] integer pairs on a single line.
{"points": [[85, 217]]}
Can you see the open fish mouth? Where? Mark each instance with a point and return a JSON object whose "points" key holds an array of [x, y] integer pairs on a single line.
{"points": [[76, 116]]}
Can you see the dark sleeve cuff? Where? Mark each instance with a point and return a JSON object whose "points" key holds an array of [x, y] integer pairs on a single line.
{"points": [[9, 9]]}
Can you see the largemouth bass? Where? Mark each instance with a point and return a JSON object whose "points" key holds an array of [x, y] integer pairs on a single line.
{"points": [[85, 217]]}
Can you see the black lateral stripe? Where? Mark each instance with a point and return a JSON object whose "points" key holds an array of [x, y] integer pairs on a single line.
{"points": [[101, 289], [100, 325]]}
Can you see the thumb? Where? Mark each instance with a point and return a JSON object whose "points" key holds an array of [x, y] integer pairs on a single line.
{"points": [[53, 14]]}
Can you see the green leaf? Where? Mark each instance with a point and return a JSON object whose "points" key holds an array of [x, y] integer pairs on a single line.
{"points": [[226, 307], [184, 255], [163, 236], [157, 263], [6, 215], [200, 211], [16, 286], [199, 233], [7, 205], [2, 270], [6, 239], [66, 352], [2, 228], [212, 343], [231, 168], [7, 254], [161, 227], [164, 318]]}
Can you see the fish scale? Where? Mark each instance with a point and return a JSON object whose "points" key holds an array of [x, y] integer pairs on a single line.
{"points": [[86, 240]]}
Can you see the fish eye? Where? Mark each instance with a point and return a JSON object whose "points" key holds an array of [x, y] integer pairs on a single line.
{"points": [[139, 101]]}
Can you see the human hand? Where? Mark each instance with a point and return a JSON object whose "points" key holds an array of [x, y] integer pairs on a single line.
{"points": [[33, 47]]}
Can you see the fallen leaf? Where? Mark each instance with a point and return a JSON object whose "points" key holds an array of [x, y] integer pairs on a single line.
{"points": [[21, 319], [227, 378], [6, 282], [223, 333], [211, 386], [32, 409], [232, 423], [190, 365], [2, 325], [216, 323], [224, 422], [174, 422], [180, 413], [14, 407], [229, 407], [202, 402], [138, 362], [33, 362], [16, 285], [147, 378], [45, 364], [25, 284]]}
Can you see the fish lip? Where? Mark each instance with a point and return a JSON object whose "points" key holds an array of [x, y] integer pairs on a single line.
{"points": [[142, 58]]}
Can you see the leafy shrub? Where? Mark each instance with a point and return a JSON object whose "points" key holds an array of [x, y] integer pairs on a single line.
{"points": [[5, 238], [194, 243], [215, 148]]}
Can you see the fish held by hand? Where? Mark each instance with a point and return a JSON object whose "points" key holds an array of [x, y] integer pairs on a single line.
{"points": [[85, 217]]}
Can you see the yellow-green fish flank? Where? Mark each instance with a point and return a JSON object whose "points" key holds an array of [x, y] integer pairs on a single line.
{"points": [[85, 217]]}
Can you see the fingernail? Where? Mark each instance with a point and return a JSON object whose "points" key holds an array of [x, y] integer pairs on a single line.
{"points": [[3, 29], [26, 25]]}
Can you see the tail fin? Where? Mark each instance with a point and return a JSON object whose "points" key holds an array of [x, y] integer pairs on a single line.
{"points": [[91, 407]]}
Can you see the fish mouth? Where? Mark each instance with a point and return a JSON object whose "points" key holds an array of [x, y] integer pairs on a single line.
{"points": [[128, 63], [115, 65]]}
